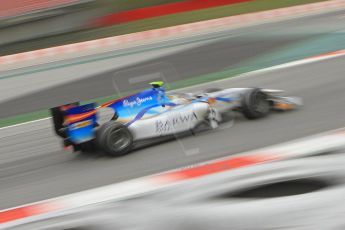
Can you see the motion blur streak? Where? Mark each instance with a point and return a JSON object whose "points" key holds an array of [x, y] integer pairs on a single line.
{"points": [[27, 211], [64, 203], [119, 42], [156, 11], [43, 158], [125, 190], [296, 185], [216, 167]]}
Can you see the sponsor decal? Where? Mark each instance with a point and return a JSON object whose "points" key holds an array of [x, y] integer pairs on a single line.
{"points": [[136, 102], [81, 124], [168, 125]]}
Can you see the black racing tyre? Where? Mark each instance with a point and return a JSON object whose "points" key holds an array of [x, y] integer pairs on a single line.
{"points": [[212, 90], [255, 104], [114, 139]]}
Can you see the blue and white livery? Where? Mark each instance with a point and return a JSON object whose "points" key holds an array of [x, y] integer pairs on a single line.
{"points": [[116, 127]]}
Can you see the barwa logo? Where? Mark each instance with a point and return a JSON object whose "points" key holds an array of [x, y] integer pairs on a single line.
{"points": [[181, 120], [136, 102]]}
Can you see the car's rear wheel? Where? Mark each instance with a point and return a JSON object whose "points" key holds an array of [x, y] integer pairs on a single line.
{"points": [[114, 138], [255, 104]]}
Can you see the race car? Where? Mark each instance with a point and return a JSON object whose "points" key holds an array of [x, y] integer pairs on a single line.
{"points": [[115, 127]]}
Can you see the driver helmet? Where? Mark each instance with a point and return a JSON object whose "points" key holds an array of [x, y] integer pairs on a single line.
{"points": [[157, 84]]}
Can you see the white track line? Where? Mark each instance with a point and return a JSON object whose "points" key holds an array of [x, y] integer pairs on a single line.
{"points": [[25, 123]]}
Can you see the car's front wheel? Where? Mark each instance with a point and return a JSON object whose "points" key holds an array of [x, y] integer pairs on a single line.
{"points": [[255, 104]]}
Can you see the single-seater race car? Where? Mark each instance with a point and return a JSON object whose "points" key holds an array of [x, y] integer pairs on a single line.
{"points": [[115, 127]]}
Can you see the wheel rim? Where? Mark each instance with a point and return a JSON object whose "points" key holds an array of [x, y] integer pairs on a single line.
{"points": [[119, 139]]}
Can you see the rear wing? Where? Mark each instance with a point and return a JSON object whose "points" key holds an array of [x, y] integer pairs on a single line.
{"points": [[75, 122], [80, 122]]}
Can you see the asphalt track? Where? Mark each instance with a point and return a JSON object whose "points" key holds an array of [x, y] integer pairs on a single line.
{"points": [[47, 171], [56, 172]]}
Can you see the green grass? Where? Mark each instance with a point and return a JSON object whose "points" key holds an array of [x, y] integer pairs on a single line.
{"points": [[24, 118], [152, 23]]}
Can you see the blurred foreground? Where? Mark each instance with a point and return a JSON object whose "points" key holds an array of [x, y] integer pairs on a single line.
{"points": [[302, 193]]}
